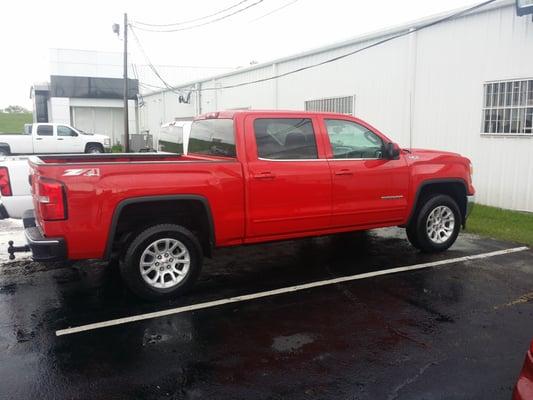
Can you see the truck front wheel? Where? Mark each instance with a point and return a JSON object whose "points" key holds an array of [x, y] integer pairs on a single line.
{"points": [[162, 262], [436, 224], [94, 148]]}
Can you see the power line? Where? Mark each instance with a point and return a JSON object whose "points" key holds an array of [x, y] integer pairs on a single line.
{"points": [[152, 67], [274, 11], [199, 25], [195, 19], [375, 44], [330, 60]]}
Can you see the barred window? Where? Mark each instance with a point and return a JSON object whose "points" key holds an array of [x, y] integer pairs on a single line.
{"points": [[508, 108], [341, 105]]}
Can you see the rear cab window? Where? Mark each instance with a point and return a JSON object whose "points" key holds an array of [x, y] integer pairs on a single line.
{"points": [[285, 139], [213, 137], [45, 130]]}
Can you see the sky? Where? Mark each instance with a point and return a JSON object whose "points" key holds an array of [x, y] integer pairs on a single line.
{"points": [[29, 29]]}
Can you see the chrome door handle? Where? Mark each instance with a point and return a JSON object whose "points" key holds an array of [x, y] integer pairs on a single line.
{"points": [[39, 138], [59, 138]]}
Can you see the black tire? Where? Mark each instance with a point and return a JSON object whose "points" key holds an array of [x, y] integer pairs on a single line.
{"points": [[417, 232], [130, 269], [94, 148]]}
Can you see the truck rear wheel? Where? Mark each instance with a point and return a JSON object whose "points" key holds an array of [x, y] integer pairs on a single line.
{"points": [[436, 224], [162, 262]]}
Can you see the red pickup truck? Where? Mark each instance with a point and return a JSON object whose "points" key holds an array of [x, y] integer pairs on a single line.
{"points": [[249, 177]]}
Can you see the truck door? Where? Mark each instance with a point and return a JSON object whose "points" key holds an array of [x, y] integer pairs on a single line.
{"points": [[44, 140], [367, 189], [289, 183], [68, 140]]}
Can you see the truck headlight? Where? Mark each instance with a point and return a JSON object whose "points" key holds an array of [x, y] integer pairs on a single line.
{"points": [[107, 142]]}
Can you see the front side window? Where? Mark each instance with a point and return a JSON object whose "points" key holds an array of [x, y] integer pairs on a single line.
{"points": [[45, 130], [351, 140], [508, 108], [65, 131], [285, 138], [213, 137]]}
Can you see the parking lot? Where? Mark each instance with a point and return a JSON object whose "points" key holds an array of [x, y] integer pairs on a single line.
{"points": [[452, 329]]}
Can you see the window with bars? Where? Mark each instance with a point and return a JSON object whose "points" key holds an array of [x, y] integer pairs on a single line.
{"points": [[508, 108], [342, 105]]}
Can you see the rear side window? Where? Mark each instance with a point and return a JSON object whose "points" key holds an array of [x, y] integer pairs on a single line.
{"points": [[285, 138], [214, 137], [45, 130]]}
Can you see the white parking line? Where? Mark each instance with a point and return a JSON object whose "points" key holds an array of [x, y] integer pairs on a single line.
{"points": [[247, 297]]}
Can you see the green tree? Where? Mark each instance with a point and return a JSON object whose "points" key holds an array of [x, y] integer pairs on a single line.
{"points": [[15, 110]]}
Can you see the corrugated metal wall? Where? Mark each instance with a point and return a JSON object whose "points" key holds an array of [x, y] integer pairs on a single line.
{"points": [[425, 89]]}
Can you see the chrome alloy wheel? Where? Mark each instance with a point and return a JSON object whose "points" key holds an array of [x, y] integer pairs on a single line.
{"points": [[440, 224], [165, 263]]}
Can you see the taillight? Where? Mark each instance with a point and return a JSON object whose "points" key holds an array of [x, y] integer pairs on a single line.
{"points": [[51, 200], [5, 185]]}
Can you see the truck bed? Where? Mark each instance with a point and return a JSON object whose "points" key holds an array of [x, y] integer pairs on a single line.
{"points": [[96, 187]]}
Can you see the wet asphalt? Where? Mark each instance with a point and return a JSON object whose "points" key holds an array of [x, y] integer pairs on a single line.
{"points": [[459, 331]]}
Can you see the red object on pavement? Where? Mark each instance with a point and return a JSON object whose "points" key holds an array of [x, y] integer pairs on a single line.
{"points": [[524, 386]]}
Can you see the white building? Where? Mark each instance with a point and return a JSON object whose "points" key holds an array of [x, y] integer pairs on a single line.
{"points": [[463, 85], [86, 91]]}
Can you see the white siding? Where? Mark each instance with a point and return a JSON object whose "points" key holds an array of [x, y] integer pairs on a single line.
{"points": [[424, 89]]}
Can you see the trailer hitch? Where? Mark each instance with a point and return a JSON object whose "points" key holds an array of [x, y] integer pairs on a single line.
{"points": [[16, 249]]}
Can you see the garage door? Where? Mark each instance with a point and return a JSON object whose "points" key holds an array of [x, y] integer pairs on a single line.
{"points": [[103, 120]]}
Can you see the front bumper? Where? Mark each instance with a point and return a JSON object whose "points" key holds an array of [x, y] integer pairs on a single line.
{"points": [[42, 248]]}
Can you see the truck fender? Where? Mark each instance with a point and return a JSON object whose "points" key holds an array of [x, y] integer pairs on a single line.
{"points": [[429, 182], [144, 199]]}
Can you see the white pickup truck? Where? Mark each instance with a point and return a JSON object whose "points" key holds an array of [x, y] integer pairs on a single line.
{"points": [[41, 138], [15, 188]]}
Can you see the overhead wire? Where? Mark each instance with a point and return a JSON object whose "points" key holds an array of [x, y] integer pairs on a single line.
{"points": [[274, 11], [408, 31], [150, 65], [194, 19], [212, 21], [375, 44]]}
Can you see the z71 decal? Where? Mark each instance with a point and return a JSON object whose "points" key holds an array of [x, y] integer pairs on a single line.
{"points": [[82, 172]]}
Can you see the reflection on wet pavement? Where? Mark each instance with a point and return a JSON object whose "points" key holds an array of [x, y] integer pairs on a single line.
{"points": [[456, 332]]}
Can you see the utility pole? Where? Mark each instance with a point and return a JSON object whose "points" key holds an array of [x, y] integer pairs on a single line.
{"points": [[126, 119]]}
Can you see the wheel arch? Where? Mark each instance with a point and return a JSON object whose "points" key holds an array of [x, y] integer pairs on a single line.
{"points": [[454, 187], [93, 144], [165, 203], [5, 145]]}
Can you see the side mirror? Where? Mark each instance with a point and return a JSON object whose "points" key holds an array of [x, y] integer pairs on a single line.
{"points": [[391, 151]]}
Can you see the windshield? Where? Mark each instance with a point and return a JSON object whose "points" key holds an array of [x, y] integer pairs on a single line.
{"points": [[214, 137]]}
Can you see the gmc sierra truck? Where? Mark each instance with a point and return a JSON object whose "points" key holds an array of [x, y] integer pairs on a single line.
{"points": [[249, 177]]}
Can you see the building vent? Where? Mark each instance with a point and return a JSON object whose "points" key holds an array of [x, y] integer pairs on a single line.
{"points": [[342, 105]]}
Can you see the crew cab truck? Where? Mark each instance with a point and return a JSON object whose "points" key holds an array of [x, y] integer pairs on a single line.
{"points": [[42, 138], [249, 177]]}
